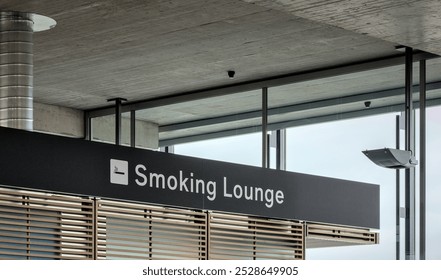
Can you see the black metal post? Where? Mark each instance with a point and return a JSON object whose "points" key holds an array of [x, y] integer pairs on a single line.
{"points": [[87, 126], [278, 150], [265, 127], [397, 192], [118, 102], [118, 121], [410, 172], [422, 160], [132, 128]]}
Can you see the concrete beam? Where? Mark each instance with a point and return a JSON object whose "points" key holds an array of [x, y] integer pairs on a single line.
{"points": [[58, 120]]}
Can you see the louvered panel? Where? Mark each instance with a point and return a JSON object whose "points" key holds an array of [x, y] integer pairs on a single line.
{"points": [[319, 236], [36, 225], [242, 237], [139, 231]]}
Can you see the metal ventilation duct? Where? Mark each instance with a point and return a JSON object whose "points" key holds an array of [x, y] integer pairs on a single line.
{"points": [[16, 67]]}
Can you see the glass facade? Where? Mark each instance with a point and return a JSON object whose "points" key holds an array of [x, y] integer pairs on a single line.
{"points": [[333, 149], [328, 122]]}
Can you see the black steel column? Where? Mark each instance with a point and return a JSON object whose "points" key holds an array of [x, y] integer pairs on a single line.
{"points": [[87, 126], [397, 192], [265, 127], [118, 102], [422, 160], [410, 172], [132, 128]]}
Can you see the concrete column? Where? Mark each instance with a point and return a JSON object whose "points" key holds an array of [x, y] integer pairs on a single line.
{"points": [[16, 66]]}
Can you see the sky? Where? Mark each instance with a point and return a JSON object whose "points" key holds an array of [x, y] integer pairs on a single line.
{"points": [[333, 149]]}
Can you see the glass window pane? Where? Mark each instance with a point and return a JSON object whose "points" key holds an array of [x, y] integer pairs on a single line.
{"points": [[242, 149], [333, 149], [433, 183]]}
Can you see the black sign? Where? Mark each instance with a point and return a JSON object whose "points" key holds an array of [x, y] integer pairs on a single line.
{"points": [[74, 166]]}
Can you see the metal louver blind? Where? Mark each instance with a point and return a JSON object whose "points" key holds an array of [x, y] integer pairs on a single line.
{"points": [[318, 235], [243, 237], [139, 231], [36, 225]]}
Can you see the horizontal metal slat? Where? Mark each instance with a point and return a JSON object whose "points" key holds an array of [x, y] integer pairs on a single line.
{"points": [[163, 228], [260, 224], [47, 250], [287, 251], [338, 233], [26, 223], [102, 231], [144, 245], [50, 204], [67, 234], [127, 206], [42, 256], [103, 238], [162, 255], [31, 217], [214, 232], [280, 245], [247, 231], [153, 249], [236, 217], [33, 207], [81, 240], [16, 192], [148, 222], [86, 216], [134, 215], [344, 234], [36, 243]]}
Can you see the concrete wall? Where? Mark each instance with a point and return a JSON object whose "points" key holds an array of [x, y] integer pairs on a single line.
{"points": [[70, 122], [58, 120], [147, 134]]}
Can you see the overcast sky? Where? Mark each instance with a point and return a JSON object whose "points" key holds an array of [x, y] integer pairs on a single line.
{"points": [[333, 149]]}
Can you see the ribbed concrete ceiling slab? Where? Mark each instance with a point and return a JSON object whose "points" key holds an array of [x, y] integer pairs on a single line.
{"points": [[146, 49], [414, 23]]}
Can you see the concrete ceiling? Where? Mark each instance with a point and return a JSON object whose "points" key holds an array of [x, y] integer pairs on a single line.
{"points": [[143, 50], [412, 23]]}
